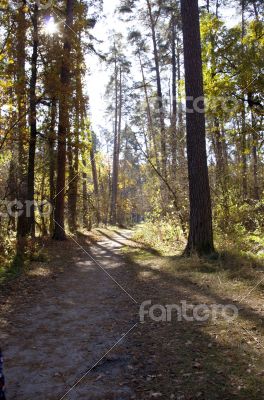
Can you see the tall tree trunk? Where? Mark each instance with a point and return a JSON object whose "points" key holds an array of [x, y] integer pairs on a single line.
{"points": [[21, 87], [220, 152], [174, 101], [200, 237], [118, 113], [33, 126], [95, 182], [12, 189], [255, 159], [73, 158], [51, 143], [219, 156], [59, 232], [22, 127], [149, 116], [256, 10], [74, 145], [217, 5], [159, 93], [243, 118], [71, 188], [181, 133], [85, 212], [43, 226]]}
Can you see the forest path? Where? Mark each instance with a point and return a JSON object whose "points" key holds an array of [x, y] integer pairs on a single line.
{"points": [[52, 339], [76, 316]]}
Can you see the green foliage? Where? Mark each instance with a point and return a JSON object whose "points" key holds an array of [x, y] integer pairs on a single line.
{"points": [[11, 270], [163, 235]]}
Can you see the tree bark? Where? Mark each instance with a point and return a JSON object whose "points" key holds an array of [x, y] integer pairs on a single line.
{"points": [[256, 10], [65, 79], [85, 212], [33, 126], [243, 117], [118, 115], [159, 94], [149, 116], [174, 101], [22, 126], [181, 134], [217, 5], [95, 182], [200, 238], [51, 143], [71, 189], [256, 195]]}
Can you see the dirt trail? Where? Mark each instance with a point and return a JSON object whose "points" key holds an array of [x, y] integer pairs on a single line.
{"points": [[60, 327], [50, 342]]}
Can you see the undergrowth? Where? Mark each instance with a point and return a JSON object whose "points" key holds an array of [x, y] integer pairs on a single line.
{"points": [[12, 265]]}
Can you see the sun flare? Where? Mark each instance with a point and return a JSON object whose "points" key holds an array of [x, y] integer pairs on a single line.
{"points": [[50, 27]]}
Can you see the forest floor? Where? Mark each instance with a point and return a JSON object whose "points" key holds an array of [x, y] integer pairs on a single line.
{"points": [[70, 325]]}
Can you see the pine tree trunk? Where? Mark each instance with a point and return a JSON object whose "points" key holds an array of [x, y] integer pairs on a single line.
{"points": [[200, 238], [159, 94], [243, 118], [244, 154], [73, 160], [51, 143], [217, 5], [22, 127], [219, 156], [95, 183], [118, 113], [174, 103], [59, 232], [149, 116], [181, 134], [71, 188], [33, 126], [85, 212], [255, 160], [73, 148], [256, 10]]}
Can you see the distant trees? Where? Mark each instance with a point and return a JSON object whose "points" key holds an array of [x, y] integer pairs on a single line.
{"points": [[136, 167], [116, 91], [63, 127], [230, 142], [43, 110], [33, 122], [118, 76]]}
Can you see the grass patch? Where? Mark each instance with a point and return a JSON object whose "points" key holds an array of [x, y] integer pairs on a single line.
{"points": [[224, 352], [16, 265], [11, 270]]}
